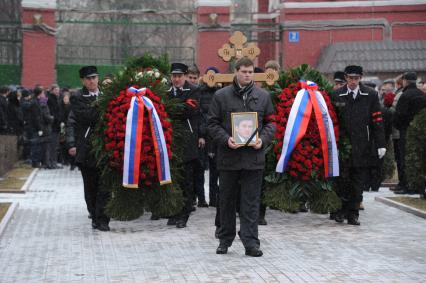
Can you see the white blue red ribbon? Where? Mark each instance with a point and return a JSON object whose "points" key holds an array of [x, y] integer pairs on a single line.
{"points": [[133, 140], [308, 99]]}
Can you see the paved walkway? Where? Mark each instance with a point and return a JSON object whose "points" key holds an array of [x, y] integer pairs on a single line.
{"points": [[50, 240]]}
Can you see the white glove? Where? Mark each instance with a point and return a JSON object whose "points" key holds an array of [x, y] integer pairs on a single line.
{"points": [[40, 133], [62, 124], [381, 152]]}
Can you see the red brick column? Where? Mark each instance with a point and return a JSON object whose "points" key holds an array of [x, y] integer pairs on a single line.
{"points": [[213, 31], [38, 48], [268, 48]]}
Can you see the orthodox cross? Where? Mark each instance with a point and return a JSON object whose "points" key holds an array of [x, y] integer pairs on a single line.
{"points": [[227, 52]]}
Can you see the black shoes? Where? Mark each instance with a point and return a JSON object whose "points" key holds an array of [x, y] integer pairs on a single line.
{"points": [[262, 221], [222, 249], [181, 222], [353, 220], [100, 226], [255, 252], [103, 227], [339, 218], [203, 204], [155, 217]]}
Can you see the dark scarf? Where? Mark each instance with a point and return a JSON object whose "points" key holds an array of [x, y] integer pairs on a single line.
{"points": [[243, 91]]}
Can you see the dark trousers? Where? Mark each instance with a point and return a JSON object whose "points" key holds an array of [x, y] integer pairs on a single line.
{"points": [[187, 188], [26, 152], [402, 177], [213, 181], [52, 150], [38, 149], [96, 198], [251, 183], [359, 177], [199, 180], [397, 155], [376, 175]]}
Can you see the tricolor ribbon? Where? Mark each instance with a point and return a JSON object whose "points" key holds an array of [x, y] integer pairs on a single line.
{"points": [[133, 140], [309, 98]]}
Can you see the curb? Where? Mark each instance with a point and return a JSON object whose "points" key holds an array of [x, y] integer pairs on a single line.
{"points": [[401, 206], [29, 180], [25, 186], [8, 217]]}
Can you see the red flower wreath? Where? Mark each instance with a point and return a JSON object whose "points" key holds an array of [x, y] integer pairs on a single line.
{"points": [[306, 161], [116, 116]]}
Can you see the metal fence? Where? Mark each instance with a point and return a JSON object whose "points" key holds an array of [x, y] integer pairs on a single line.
{"points": [[10, 42], [109, 32]]}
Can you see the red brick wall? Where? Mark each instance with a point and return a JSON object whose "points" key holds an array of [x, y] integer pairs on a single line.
{"points": [[38, 50], [268, 49], [311, 42], [211, 38]]}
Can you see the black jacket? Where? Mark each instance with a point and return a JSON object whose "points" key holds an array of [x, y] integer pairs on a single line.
{"points": [[187, 119], [3, 114], [362, 122], [81, 122], [55, 111], [226, 101], [15, 116], [206, 97], [409, 104], [41, 120]]}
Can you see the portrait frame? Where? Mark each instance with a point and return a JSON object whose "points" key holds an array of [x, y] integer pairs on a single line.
{"points": [[241, 136]]}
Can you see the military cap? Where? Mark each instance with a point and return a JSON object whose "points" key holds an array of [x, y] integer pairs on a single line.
{"points": [[339, 76], [88, 71], [353, 70], [179, 68]]}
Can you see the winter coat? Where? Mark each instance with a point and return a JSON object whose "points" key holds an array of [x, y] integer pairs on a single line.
{"points": [[81, 122], [409, 104], [206, 97], [226, 101], [187, 119], [362, 122], [55, 111], [3, 114], [41, 119], [15, 117]]}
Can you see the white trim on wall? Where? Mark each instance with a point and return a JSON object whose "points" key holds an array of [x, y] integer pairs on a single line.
{"points": [[50, 4], [345, 4], [213, 3]]}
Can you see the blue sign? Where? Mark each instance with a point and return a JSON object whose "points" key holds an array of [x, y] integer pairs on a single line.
{"points": [[293, 36]]}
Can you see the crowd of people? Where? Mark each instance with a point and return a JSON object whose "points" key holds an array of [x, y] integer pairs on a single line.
{"points": [[37, 117], [54, 126]]}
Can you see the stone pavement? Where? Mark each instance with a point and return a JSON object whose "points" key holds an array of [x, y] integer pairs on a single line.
{"points": [[50, 240]]}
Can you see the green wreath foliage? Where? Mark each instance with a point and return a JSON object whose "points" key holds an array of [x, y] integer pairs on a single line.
{"points": [[416, 153], [129, 204]]}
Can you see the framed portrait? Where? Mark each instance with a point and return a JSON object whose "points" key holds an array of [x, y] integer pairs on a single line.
{"points": [[244, 128]]}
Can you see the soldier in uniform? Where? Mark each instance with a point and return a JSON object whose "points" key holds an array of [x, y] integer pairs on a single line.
{"points": [[362, 124], [188, 118], [82, 121]]}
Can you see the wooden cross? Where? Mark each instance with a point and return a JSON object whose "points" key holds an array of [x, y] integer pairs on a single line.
{"points": [[238, 51], [212, 78]]}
